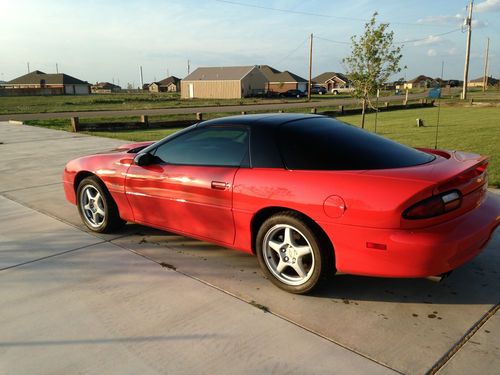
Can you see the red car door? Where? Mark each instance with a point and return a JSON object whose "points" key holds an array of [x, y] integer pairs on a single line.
{"points": [[190, 187], [188, 199]]}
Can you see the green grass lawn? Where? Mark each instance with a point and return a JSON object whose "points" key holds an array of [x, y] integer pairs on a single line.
{"points": [[472, 129], [117, 101]]}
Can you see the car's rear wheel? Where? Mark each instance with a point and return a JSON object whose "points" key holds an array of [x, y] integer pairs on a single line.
{"points": [[97, 208], [290, 254]]}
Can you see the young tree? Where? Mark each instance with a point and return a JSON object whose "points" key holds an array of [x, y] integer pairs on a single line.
{"points": [[373, 59]]}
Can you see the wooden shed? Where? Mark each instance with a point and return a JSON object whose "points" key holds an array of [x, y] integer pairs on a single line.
{"points": [[232, 82]]}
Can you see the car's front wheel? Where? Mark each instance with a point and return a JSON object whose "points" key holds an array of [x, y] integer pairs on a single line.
{"points": [[289, 253], [97, 208]]}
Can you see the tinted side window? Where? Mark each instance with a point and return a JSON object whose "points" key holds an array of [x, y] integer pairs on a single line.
{"points": [[218, 146], [327, 144]]}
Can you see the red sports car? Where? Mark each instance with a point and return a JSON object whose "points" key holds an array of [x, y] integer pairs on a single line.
{"points": [[308, 194]]}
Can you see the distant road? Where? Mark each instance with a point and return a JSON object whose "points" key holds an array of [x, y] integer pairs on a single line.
{"points": [[210, 109]]}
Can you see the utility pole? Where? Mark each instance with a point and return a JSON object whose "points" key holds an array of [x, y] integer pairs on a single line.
{"points": [[28, 64], [485, 77], [468, 23], [189, 68], [310, 67], [57, 69], [142, 79]]}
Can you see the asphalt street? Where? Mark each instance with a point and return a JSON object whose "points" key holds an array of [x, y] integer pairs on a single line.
{"points": [[148, 301]]}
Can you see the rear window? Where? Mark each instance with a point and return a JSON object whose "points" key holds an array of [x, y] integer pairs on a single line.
{"points": [[327, 144]]}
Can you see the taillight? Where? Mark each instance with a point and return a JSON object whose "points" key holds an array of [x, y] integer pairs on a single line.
{"points": [[434, 206]]}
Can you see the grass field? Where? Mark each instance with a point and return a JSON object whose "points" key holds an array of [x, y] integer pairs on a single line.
{"points": [[472, 129], [146, 100], [97, 102], [460, 128]]}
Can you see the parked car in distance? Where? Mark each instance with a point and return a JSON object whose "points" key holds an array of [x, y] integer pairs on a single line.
{"points": [[293, 94], [342, 90], [318, 90], [309, 195]]}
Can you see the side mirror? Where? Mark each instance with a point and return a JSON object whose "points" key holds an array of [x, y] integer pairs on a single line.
{"points": [[145, 159]]}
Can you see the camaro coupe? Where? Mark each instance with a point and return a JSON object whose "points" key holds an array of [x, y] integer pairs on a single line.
{"points": [[309, 195]]}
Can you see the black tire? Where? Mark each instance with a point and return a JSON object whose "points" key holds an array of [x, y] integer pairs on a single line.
{"points": [[106, 222], [318, 265]]}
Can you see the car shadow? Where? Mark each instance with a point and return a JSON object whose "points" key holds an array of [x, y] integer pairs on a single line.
{"points": [[477, 282]]}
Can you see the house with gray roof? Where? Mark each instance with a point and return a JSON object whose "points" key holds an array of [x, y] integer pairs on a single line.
{"points": [[104, 88], [421, 81], [332, 81], [282, 81], [40, 83], [228, 82], [169, 84]]}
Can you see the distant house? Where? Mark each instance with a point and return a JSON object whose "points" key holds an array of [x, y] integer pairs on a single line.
{"points": [[169, 84], [104, 88], [40, 83], [231, 82], [420, 82], [478, 82], [332, 81], [282, 81]]}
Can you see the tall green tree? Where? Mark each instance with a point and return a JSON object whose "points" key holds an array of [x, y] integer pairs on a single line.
{"points": [[374, 58]]}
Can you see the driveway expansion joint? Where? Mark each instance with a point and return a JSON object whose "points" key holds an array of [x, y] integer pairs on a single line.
{"points": [[463, 340], [51, 256], [255, 304]]}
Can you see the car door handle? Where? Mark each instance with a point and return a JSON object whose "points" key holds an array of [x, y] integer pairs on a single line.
{"points": [[219, 185]]}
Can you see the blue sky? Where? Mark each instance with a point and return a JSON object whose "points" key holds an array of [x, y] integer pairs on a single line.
{"points": [[105, 40]]}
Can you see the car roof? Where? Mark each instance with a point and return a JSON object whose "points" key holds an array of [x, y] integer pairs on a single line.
{"points": [[268, 119]]}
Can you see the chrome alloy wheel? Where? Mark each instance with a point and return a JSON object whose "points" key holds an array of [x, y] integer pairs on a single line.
{"points": [[288, 254], [92, 206]]}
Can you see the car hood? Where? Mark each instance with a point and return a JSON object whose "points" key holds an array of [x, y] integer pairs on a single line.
{"points": [[133, 147]]}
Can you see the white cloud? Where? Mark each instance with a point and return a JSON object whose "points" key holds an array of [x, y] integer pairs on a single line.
{"points": [[478, 24], [431, 40], [431, 52], [488, 6], [457, 18]]}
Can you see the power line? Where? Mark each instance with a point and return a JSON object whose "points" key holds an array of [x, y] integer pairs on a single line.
{"points": [[331, 41], [422, 39], [319, 14], [293, 51], [402, 42]]}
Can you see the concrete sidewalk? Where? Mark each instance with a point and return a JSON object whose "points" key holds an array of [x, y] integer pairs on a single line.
{"points": [[76, 302]]}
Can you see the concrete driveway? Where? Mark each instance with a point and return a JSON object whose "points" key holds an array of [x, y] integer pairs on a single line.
{"points": [[148, 301]]}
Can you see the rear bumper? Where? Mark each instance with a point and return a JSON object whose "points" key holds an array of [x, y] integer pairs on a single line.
{"points": [[415, 253]]}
